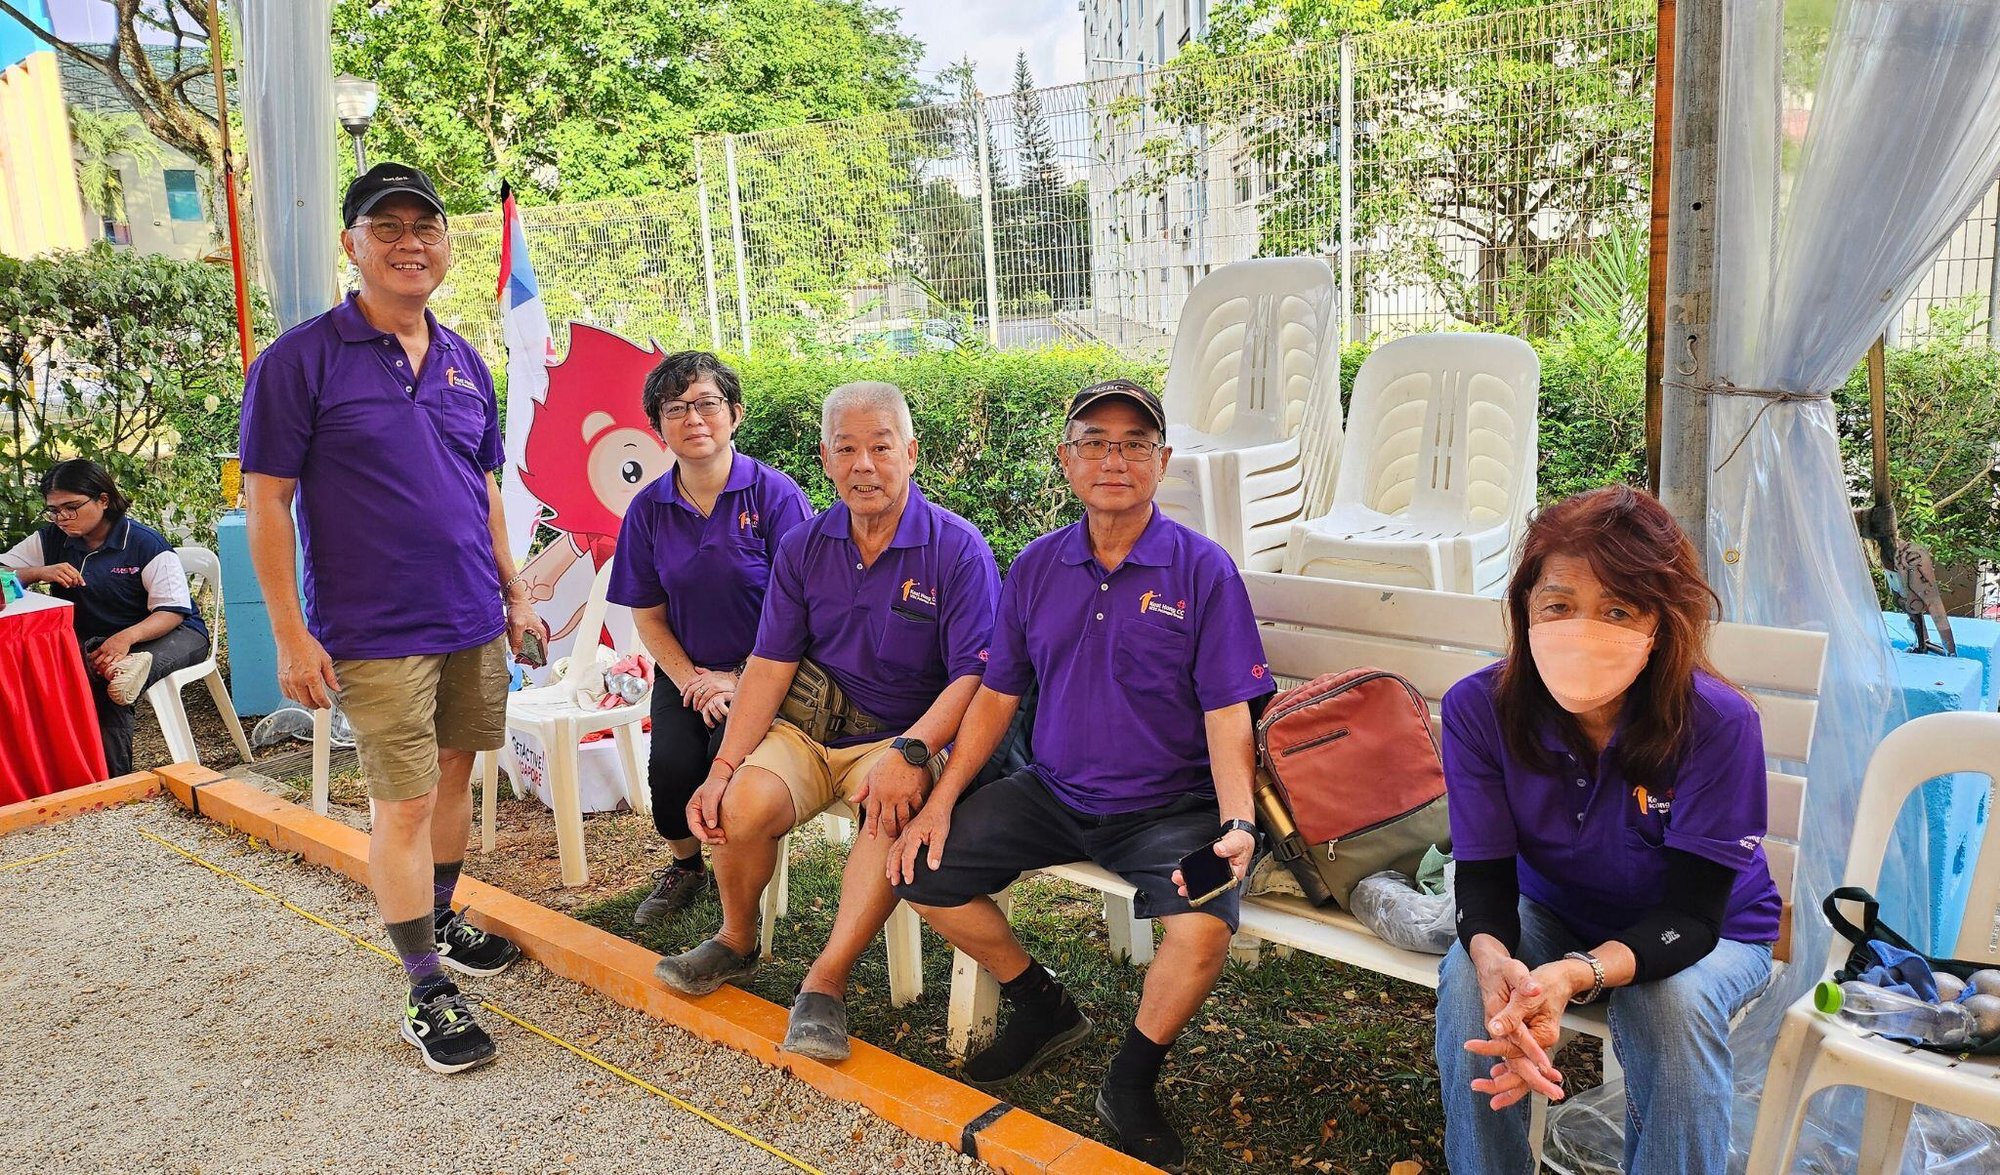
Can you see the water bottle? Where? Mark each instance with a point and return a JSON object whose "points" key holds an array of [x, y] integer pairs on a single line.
{"points": [[1899, 1017]]}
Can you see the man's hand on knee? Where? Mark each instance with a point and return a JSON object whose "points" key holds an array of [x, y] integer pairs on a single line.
{"points": [[891, 795]]}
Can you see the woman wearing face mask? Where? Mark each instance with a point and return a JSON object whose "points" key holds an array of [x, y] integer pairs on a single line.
{"points": [[1607, 812]]}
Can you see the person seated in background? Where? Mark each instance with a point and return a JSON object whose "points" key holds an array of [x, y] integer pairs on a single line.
{"points": [[694, 558], [1607, 794], [1140, 636], [133, 615], [880, 609]]}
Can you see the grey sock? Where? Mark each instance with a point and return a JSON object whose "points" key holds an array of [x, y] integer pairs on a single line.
{"points": [[444, 880], [415, 940]]}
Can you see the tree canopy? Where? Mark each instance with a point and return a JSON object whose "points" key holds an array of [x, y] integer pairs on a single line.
{"points": [[577, 100]]}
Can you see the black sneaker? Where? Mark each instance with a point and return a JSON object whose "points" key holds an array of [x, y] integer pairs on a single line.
{"points": [[1139, 1126], [464, 947], [1027, 1043], [439, 1023], [675, 888]]}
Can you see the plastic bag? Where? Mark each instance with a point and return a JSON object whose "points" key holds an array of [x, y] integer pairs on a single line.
{"points": [[295, 722], [1390, 905]]}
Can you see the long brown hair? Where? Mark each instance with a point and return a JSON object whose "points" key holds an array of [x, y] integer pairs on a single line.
{"points": [[1640, 554]]}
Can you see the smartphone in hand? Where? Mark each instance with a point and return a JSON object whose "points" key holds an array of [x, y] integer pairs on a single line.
{"points": [[1205, 874]]}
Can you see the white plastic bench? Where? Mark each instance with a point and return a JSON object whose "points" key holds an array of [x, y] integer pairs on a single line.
{"points": [[1312, 626]]}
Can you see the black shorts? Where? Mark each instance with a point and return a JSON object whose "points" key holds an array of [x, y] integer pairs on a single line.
{"points": [[1015, 824]]}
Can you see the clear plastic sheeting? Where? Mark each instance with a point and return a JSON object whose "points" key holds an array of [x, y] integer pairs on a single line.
{"points": [[1591, 1139], [1391, 906], [1901, 139], [286, 77]]}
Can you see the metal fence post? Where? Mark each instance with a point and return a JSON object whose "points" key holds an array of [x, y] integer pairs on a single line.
{"points": [[1346, 189], [736, 239], [986, 220], [707, 253]]}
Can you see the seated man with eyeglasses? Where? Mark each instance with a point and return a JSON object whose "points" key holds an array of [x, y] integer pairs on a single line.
{"points": [[1139, 633]]}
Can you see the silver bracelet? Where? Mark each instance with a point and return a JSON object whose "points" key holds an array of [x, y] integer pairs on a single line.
{"points": [[1596, 977]]}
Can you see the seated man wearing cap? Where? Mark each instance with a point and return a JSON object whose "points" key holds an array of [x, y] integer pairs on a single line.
{"points": [[382, 424], [892, 597], [1140, 635]]}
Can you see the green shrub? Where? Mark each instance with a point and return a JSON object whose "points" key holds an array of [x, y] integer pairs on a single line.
{"points": [[126, 358], [987, 426], [1593, 409]]}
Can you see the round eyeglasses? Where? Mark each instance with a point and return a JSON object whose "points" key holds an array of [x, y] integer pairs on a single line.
{"points": [[389, 231]]}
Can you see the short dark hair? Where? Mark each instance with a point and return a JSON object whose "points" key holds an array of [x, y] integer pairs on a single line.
{"points": [[81, 476], [677, 372]]}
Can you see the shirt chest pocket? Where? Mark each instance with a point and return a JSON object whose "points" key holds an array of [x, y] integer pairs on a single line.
{"points": [[1151, 657], [460, 418], [909, 640]]}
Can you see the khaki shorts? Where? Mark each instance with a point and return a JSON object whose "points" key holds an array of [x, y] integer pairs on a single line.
{"points": [[818, 775], [405, 709]]}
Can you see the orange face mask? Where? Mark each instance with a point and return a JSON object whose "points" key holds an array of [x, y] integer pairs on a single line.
{"points": [[1586, 663]]}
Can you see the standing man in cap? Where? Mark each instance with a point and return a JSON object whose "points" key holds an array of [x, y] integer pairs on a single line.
{"points": [[383, 426], [1140, 635]]}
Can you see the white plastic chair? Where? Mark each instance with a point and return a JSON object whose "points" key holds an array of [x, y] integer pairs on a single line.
{"points": [[1438, 470], [550, 713], [1253, 405], [1815, 1051], [164, 695]]}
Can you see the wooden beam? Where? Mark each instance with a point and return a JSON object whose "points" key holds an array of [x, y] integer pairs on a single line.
{"points": [[1656, 268]]}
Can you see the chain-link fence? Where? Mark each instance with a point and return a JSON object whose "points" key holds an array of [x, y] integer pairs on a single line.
{"points": [[1492, 171]]}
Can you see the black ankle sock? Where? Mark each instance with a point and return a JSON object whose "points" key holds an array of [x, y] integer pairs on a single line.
{"points": [[691, 864], [1034, 991], [1137, 1065]]}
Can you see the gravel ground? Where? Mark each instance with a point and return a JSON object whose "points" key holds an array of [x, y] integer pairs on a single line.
{"points": [[162, 1018]]}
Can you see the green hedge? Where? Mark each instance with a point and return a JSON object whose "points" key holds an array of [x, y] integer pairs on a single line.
{"points": [[987, 426]]}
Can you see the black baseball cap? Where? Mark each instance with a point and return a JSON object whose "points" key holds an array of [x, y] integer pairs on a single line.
{"points": [[1148, 403], [382, 181]]}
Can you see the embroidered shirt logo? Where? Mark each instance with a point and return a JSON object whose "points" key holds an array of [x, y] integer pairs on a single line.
{"points": [[913, 592], [1750, 842], [455, 379], [1652, 805], [1257, 671], [1152, 601], [746, 519]]}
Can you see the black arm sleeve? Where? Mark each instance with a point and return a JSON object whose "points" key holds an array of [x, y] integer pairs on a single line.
{"points": [[1685, 927], [1488, 894]]}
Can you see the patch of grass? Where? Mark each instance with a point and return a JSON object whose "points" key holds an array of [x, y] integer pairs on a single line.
{"points": [[1297, 1064]]}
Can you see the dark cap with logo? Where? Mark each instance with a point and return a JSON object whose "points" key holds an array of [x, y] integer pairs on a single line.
{"points": [[1147, 403], [382, 181]]}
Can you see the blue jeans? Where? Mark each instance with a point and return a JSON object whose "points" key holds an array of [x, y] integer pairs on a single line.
{"points": [[1671, 1036]]}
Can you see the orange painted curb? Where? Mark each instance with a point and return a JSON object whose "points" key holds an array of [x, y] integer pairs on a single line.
{"points": [[906, 1095], [91, 797]]}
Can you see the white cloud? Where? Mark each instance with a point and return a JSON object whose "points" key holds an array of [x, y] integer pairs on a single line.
{"points": [[993, 31]]}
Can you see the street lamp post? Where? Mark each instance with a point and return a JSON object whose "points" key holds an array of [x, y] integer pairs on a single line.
{"points": [[354, 102]]}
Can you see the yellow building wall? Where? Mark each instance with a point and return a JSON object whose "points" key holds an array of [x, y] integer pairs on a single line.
{"points": [[39, 206]]}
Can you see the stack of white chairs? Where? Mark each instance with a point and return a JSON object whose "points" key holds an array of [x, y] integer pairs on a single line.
{"points": [[1253, 405], [1437, 472], [164, 695]]}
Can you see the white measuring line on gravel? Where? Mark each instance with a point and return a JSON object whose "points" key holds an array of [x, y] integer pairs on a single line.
{"points": [[497, 1010]]}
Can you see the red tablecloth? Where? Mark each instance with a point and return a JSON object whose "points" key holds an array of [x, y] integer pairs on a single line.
{"points": [[48, 725]]}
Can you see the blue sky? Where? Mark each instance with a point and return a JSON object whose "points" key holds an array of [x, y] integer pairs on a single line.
{"points": [[992, 31]]}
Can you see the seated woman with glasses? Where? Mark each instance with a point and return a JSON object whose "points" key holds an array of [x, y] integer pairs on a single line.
{"points": [[133, 614], [693, 562], [1608, 799]]}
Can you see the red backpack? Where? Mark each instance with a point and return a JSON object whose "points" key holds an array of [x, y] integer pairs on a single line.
{"points": [[1349, 782]]}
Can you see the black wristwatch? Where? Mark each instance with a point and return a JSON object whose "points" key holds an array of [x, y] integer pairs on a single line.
{"points": [[1229, 826], [914, 752]]}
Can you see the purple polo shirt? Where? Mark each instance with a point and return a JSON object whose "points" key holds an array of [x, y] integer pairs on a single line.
{"points": [[392, 490], [1129, 661], [710, 572], [892, 635], [1590, 846]]}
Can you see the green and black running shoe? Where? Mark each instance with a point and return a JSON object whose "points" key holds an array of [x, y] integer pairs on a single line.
{"points": [[439, 1023], [464, 947]]}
